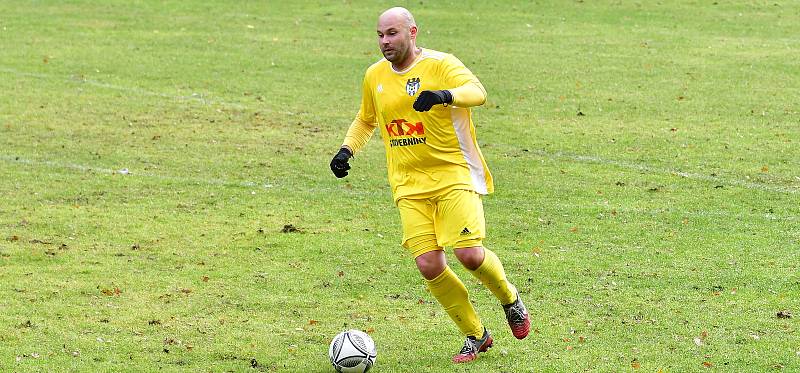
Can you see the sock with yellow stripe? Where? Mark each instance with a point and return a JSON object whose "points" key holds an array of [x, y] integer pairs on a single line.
{"points": [[451, 293], [493, 276]]}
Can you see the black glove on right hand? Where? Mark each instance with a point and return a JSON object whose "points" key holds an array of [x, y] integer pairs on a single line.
{"points": [[339, 164], [427, 99]]}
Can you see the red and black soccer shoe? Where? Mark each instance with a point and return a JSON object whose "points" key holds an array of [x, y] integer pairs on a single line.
{"points": [[472, 346], [518, 319]]}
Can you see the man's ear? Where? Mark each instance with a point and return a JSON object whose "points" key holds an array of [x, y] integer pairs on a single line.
{"points": [[413, 32]]}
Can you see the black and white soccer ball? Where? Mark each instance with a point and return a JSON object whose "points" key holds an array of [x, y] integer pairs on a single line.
{"points": [[352, 351]]}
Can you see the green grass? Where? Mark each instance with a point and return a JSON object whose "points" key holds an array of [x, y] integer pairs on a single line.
{"points": [[645, 155]]}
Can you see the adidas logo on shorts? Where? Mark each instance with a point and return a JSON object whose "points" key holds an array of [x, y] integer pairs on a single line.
{"points": [[465, 231]]}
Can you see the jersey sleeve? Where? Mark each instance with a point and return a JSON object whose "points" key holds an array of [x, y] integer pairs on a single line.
{"points": [[466, 89], [363, 125]]}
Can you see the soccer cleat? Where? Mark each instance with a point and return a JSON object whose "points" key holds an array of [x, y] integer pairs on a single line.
{"points": [[472, 346], [518, 319]]}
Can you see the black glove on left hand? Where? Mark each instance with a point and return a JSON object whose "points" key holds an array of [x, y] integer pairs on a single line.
{"points": [[427, 99], [339, 164]]}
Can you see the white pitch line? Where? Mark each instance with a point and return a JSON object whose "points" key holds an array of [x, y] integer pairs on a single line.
{"points": [[108, 171], [140, 91], [655, 170]]}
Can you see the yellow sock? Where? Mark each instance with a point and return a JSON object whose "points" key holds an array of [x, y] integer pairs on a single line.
{"points": [[493, 276], [451, 293]]}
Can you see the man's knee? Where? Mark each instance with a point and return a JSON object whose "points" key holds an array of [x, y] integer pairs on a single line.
{"points": [[431, 264], [470, 257]]}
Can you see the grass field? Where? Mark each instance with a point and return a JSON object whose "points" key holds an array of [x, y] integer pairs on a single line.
{"points": [[167, 203]]}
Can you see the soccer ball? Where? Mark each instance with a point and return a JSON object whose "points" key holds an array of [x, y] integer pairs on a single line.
{"points": [[352, 351]]}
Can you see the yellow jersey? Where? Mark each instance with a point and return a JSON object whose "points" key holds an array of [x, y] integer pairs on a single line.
{"points": [[427, 153]]}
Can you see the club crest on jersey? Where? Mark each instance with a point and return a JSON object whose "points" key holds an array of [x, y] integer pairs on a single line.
{"points": [[412, 86]]}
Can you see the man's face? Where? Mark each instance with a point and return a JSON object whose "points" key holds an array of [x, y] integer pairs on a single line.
{"points": [[394, 38]]}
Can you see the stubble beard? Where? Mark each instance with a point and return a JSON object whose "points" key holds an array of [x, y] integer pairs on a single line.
{"points": [[397, 56]]}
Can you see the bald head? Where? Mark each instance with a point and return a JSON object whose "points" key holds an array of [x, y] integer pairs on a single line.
{"points": [[398, 14], [397, 37]]}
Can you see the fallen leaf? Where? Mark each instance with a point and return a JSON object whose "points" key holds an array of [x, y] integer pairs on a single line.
{"points": [[573, 229], [764, 169], [340, 273], [370, 330], [635, 364], [204, 278], [707, 364], [312, 322], [13, 238]]}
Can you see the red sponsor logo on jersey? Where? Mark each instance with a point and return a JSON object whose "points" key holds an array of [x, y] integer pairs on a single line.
{"points": [[401, 127]]}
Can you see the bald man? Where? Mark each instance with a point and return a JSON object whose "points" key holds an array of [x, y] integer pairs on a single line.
{"points": [[420, 99]]}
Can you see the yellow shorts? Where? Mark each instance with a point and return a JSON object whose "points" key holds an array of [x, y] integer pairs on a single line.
{"points": [[454, 219]]}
